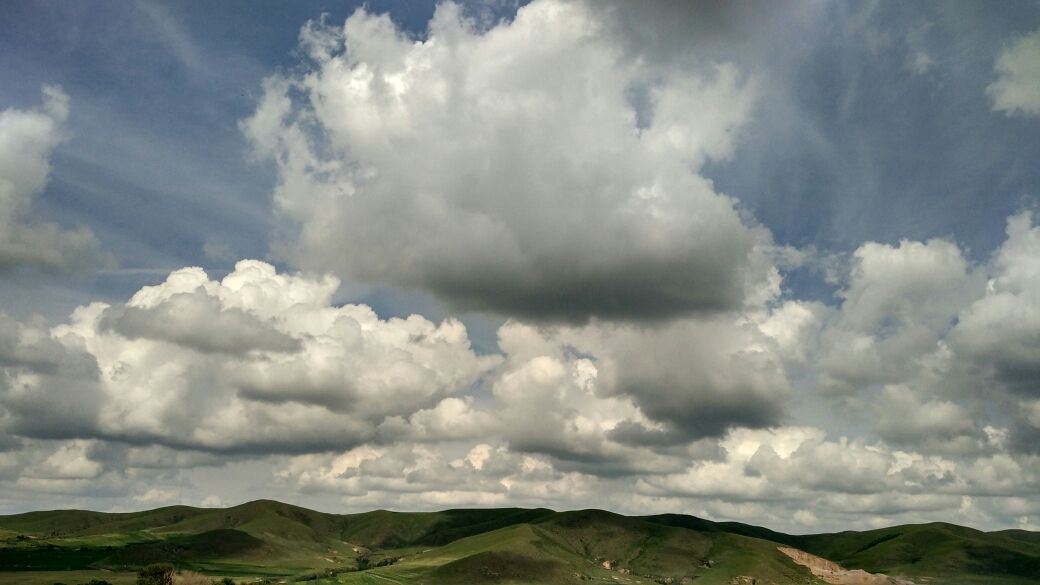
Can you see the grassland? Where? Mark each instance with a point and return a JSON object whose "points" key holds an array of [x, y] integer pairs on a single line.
{"points": [[266, 541], [67, 577]]}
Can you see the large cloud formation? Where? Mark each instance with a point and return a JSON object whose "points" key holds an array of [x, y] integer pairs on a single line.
{"points": [[550, 169], [263, 362], [27, 139], [691, 415], [945, 352], [548, 179], [257, 362], [690, 379]]}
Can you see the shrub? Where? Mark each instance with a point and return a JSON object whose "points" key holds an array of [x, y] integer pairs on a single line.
{"points": [[157, 574]]}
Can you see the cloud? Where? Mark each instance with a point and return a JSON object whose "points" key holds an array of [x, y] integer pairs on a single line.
{"points": [[765, 474], [995, 339], [554, 405], [698, 377], [198, 321], [167, 31], [998, 332], [47, 389], [727, 477], [1016, 92], [690, 34], [29, 346], [258, 361], [27, 139], [612, 400], [192, 372], [940, 350], [934, 424], [508, 176], [264, 362], [430, 478], [156, 497], [452, 418], [69, 461], [919, 63], [800, 464], [897, 304], [212, 501]]}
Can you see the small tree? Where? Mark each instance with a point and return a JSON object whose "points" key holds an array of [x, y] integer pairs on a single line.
{"points": [[157, 574]]}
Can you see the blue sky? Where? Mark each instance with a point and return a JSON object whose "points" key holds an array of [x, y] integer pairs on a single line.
{"points": [[863, 144]]}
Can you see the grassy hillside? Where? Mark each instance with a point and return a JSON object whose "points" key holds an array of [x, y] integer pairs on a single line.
{"points": [[280, 542], [936, 549], [1022, 535], [657, 550], [383, 529], [591, 547], [947, 552]]}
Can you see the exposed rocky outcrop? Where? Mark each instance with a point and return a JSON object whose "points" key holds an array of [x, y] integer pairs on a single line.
{"points": [[832, 572]]}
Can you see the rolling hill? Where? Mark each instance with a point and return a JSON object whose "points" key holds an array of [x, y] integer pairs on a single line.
{"points": [[276, 542]]}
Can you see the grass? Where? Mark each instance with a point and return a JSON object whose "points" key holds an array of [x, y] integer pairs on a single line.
{"points": [[279, 542], [567, 552], [49, 559], [67, 577], [931, 550], [940, 552]]}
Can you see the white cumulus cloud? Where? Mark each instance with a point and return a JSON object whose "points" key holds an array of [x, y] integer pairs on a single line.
{"points": [[512, 176], [258, 360]]}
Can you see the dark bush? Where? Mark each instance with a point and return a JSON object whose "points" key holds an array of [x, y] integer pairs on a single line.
{"points": [[157, 574]]}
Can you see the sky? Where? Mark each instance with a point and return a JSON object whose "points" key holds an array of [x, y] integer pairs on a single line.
{"points": [[777, 264]]}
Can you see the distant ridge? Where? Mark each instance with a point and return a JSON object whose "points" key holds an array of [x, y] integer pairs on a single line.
{"points": [[507, 545]]}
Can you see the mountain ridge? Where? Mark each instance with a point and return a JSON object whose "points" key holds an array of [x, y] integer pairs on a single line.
{"points": [[501, 545]]}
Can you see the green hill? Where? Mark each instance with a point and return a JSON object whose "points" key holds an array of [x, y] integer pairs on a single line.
{"points": [[281, 542], [950, 553], [936, 549]]}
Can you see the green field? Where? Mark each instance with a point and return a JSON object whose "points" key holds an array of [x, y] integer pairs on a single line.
{"points": [[271, 542], [67, 577]]}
